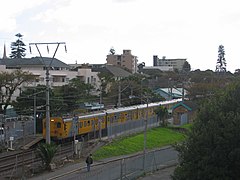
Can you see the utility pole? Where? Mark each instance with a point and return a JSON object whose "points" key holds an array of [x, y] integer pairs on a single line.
{"points": [[23, 150], [119, 95], [145, 130], [48, 139], [100, 95], [120, 90], [145, 137], [34, 113]]}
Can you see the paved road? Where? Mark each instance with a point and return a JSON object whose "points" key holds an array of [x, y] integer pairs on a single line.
{"points": [[106, 170], [163, 174]]}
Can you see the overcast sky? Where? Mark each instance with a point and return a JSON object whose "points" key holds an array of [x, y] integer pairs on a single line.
{"points": [[191, 29]]}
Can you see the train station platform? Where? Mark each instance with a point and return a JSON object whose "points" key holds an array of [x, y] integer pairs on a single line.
{"points": [[32, 140]]}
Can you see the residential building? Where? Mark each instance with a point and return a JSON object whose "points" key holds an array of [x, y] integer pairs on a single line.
{"points": [[125, 60], [59, 73], [117, 72], [173, 63], [161, 68]]}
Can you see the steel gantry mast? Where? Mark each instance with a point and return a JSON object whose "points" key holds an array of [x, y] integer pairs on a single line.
{"points": [[47, 67]]}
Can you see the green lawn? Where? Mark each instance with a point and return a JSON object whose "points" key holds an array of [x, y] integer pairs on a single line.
{"points": [[187, 126], [157, 137]]}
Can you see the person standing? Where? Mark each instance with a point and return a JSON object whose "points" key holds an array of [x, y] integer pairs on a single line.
{"points": [[89, 161]]}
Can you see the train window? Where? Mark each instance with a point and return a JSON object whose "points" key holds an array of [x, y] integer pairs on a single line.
{"points": [[81, 124], [58, 125], [88, 123], [92, 123], [85, 123]]}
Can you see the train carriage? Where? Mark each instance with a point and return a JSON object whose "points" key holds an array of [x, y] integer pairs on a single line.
{"points": [[111, 121]]}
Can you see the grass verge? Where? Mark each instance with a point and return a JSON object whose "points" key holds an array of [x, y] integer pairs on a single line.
{"points": [[156, 137]]}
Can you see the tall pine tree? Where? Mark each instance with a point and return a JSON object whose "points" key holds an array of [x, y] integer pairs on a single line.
{"points": [[18, 48], [221, 61]]}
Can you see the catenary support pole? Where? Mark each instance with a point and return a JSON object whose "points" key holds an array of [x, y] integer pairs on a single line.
{"points": [[47, 67]]}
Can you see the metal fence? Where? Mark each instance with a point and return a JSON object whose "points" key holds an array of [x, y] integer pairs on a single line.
{"points": [[130, 167], [15, 130], [130, 127]]}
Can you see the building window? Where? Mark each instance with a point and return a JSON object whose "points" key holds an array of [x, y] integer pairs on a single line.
{"points": [[58, 79], [58, 125], [41, 79]]}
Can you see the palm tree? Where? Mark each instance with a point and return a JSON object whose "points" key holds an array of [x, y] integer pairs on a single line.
{"points": [[162, 113], [47, 152]]}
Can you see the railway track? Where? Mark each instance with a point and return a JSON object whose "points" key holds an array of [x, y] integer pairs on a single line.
{"points": [[27, 159]]}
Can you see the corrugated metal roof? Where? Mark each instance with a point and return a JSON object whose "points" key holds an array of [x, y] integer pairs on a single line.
{"points": [[189, 105]]}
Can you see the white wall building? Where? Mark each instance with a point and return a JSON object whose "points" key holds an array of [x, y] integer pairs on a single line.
{"points": [[59, 73], [174, 63]]}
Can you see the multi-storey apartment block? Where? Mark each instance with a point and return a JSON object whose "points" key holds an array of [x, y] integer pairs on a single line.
{"points": [[125, 60], [164, 62]]}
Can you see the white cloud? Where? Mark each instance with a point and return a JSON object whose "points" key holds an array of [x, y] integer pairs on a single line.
{"points": [[11, 9], [176, 29]]}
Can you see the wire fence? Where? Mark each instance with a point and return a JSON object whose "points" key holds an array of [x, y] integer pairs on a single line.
{"points": [[15, 130], [130, 167], [130, 127]]}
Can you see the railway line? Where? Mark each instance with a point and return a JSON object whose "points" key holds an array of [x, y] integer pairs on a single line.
{"points": [[27, 160]]}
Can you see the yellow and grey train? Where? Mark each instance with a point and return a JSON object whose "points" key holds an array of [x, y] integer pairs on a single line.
{"points": [[62, 128]]}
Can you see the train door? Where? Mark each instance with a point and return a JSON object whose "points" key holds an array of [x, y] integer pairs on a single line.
{"points": [[1, 134]]}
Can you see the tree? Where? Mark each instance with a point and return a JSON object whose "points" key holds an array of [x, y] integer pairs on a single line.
{"points": [[25, 101], [73, 94], [162, 113], [221, 61], [18, 48], [112, 51], [186, 67], [46, 152], [9, 83], [237, 72], [212, 148]]}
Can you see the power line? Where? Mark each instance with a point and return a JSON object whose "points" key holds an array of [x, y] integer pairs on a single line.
{"points": [[48, 138]]}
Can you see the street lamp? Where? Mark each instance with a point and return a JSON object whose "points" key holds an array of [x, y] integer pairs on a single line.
{"points": [[145, 130]]}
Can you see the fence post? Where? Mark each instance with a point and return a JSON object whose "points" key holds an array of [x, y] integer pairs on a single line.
{"points": [[121, 174]]}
